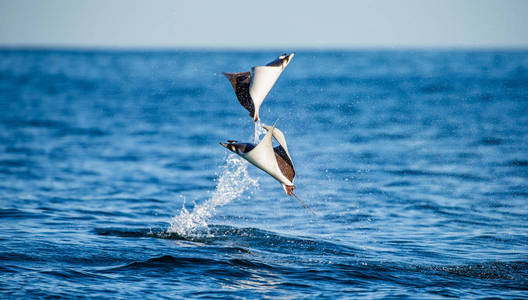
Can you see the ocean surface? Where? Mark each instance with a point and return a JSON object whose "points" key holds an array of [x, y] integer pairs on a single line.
{"points": [[113, 184]]}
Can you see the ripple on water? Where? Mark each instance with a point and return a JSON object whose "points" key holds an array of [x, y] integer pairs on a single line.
{"points": [[415, 162]]}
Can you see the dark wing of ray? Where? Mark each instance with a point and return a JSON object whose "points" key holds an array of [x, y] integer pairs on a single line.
{"points": [[245, 147], [278, 61], [240, 82], [285, 163]]}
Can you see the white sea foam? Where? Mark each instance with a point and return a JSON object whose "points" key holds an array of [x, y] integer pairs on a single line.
{"points": [[231, 183]]}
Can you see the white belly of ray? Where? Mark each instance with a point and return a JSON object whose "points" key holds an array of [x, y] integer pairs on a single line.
{"points": [[263, 157], [262, 80]]}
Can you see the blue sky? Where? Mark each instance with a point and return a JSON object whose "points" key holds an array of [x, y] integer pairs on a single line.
{"points": [[264, 24]]}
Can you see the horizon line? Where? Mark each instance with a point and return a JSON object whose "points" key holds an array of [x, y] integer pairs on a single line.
{"points": [[158, 48]]}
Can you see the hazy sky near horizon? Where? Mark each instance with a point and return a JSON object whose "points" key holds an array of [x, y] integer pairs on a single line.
{"points": [[264, 24]]}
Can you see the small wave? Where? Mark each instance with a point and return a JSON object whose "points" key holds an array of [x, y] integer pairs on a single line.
{"points": [[398, 183], [168, 260], [492, 270], [235, 267], [491, 141], [198, 236], [254, 238], [434, 88], [517, 163], [412, 172], [18, 257], [20, 214], [36, 123], [71, 274], [14, 163], [232, 182], [124, 232]]}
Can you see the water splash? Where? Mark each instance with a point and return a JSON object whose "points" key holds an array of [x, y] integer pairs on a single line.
{"points": [[259, 130], [232, 182]]}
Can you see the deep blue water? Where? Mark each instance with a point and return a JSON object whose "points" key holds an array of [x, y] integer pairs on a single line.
{"points": [[416, 163]]}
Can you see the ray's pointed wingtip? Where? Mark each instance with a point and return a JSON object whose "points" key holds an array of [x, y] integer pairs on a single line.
{"points": [[289, 57]]}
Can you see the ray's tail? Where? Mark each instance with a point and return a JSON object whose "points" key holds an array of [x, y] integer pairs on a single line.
{"points": [[303, 204]]}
